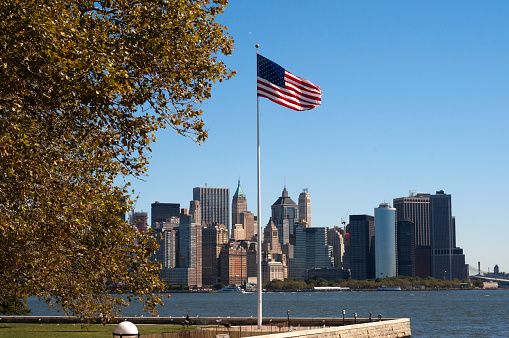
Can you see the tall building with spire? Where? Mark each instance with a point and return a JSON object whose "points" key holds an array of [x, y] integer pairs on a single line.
{"points": [[239, 205], [243, 221], [305, 207], [272, 252], [285, 215]]}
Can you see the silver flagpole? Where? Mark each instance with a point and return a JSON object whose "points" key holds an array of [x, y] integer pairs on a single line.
{"points": [[259, 280]]}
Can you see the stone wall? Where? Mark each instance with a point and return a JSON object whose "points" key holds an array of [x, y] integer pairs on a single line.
{"points": [[387, 328]]}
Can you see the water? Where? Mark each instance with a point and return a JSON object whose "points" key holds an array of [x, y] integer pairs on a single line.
{"points": [[458, 313]]}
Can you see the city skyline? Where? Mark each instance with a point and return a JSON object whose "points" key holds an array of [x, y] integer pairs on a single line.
{"points": [[413, 100]]}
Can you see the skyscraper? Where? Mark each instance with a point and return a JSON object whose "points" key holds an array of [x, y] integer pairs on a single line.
{"points": [[195, 211], [239, 205], [272, 250], [285, 214], [447, 260], [215, 205], [247, 220], [385, 241], [271, 243], [336, 237], [162, 212], [190, 241], [311, 251], [139, 220], [405, 243], [415, 208], [233, 263], [170, 246], [362, 246], [213, 238], [305, 207]]}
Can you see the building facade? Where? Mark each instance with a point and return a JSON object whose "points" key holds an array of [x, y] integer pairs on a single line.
{"points": [[239, 205], [190, 245], [305, 207], [285, 214], [213, 238], [247, 219], [195, 212], [447, 260], [311, 251], [337, 239], [162, 212], [272, 270], [405, 243], [362, 246], [215, 205], [233, 264], [385, 241], [139, 220], [415, 208]]}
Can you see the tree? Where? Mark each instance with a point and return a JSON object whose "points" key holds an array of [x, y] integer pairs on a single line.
{"points": [[218, 286], [84, 86], [478, 283], [13, 306]]}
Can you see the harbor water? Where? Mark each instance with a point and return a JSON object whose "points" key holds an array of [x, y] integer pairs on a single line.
{"points": [[455, 313]]}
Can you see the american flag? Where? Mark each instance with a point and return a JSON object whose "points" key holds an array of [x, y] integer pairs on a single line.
{"points": [[281, 86]]}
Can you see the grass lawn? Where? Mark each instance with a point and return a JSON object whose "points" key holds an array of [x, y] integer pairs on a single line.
{"points": [[75, 330]]}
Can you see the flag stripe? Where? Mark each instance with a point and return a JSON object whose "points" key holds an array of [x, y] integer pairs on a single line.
{"points": [[285, 103], [286, 95], [289, 92], [286, 100], [302, 92], [285, 88], [303, 82]]}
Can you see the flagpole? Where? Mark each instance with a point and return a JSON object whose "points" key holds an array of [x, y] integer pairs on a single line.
{"points": [[259, 217]]}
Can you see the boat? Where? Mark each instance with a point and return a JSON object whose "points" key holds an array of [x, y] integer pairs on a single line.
{"points": [[330, 288], [389, 288], [231, 289]]}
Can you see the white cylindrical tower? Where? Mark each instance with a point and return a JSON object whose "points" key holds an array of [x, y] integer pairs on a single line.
{"points": [[385, 241]]}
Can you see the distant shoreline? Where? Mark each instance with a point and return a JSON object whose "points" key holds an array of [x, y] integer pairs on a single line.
{"points": [[351, 290]]}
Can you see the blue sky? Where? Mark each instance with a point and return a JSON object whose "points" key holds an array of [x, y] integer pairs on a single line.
{"points": [[415, 97]]}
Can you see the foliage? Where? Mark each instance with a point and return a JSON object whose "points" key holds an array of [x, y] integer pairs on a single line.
{"points": [[368, 284], [171, 287], [478, 283], [85, 84], [13, 306], [218, 286]]}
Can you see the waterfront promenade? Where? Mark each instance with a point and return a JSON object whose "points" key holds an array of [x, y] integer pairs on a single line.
{"points": [[247, 326], [447, 313]]}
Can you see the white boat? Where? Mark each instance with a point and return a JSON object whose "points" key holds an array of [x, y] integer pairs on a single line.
{"points": [[231, 289], [389, 288], [330, 288]]}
